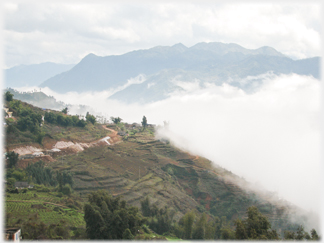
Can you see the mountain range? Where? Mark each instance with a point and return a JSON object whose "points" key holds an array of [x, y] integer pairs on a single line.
{"points": [[152, 74]]}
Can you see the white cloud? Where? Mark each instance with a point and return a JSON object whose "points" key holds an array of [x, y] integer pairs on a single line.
{"points": [[65, 32], [271, 136]]}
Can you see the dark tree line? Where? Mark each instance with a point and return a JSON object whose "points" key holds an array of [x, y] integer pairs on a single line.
{"points": [[110, 218], [63, 120], [44, 175]]}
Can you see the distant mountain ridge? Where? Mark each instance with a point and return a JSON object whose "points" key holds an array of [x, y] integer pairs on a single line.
{"points": [[207, 62], [33, 75]]}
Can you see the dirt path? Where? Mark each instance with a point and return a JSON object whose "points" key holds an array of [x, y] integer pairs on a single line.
{"points": [[114, 138]]}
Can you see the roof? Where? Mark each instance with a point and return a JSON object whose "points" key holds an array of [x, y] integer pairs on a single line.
{"points": [[12, 229], [21, 184]]}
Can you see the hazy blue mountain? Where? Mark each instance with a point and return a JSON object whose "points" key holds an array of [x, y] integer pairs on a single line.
{"points": [[160, 85], [32, 75], [209, 62]]}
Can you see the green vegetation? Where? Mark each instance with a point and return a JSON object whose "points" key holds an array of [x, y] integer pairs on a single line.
{"points": [[144, 122], [65, 110], [63, 120], [8, 96], [108, 218], [12, 159], [90, 118], [116, 120]]}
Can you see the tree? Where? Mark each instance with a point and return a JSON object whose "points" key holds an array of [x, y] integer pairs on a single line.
{"points": [[314, 235], [90, 118], [188, 221], [81, 123], [240, 232], [127, 235], [300, 233], [66, 189], [65, 110], [145, 206], [256, 227], [12, 159], [116, 120], [200, 228], [144, 122], [8, 96]]}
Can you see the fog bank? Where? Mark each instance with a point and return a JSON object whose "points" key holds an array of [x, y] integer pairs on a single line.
{"points": [[270, 137]]}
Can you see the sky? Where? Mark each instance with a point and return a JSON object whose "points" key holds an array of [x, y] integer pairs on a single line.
{"points": [[65, 32], [270, 137]]}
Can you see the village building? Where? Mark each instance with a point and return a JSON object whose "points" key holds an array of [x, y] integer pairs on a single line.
{"points": [[13, 233], [22, 185], [9, 113]]}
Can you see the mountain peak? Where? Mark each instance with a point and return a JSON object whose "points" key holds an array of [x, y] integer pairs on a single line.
{"points": [[179, 47], [90, 55], [267, 50]]}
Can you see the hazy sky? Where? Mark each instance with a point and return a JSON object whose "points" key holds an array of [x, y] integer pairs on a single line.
{"points": [[65, 32]]}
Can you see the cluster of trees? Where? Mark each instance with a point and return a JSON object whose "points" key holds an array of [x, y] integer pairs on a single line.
{"points": [[41, 174], [159, 220], [109, 218], [63, 120], [255, 227], [116, 120], [207, 227], [301, 234], [29, 120], [11, 159], [90, 118], [8, 96], [44, 175]]}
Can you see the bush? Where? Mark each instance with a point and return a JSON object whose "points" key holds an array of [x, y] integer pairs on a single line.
{"points": [[66, 189]]}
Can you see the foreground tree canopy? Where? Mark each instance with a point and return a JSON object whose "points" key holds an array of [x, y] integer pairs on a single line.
{"points": [[110, 218]]}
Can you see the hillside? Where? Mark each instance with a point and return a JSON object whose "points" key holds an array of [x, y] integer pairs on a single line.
{"points": [[136, 165], [37, 98]]}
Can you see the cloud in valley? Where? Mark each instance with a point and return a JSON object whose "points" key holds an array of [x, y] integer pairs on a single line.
{"points": [[270, 137]]}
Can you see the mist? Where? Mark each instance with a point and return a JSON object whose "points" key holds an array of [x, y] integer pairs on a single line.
{"points": [[270, 136]]}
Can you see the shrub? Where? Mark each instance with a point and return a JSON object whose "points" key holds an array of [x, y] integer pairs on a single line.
{"points": [[66, 189]]}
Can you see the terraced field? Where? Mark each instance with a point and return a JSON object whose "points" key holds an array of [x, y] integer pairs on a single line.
{"points": [[141, 166], [44, 205]]}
